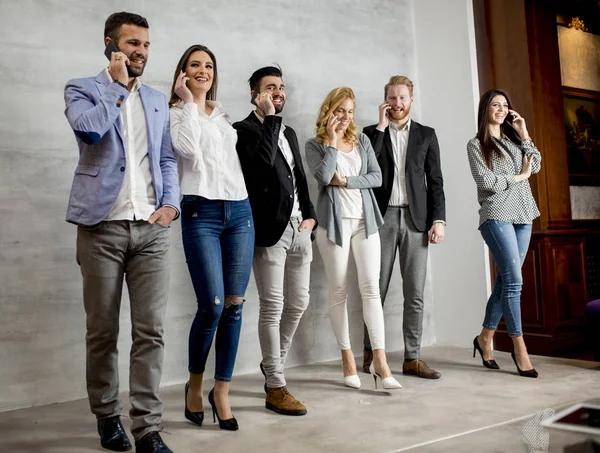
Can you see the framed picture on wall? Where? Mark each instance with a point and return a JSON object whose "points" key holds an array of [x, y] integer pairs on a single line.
{"points": [[582, 127]]}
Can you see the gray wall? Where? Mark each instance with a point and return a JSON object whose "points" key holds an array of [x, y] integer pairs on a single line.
{"points": [[320, 45], [449, 100]]}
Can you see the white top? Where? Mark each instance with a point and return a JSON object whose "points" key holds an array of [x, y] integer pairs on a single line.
{"points": [[349, 164], [209, 165], [399, 137], [137, 198], [285, 148]]}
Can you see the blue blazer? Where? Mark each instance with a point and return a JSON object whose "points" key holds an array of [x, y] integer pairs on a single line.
{"points": [[93, 107]]}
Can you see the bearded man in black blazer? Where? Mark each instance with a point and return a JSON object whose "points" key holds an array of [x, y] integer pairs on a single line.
{"points": [[284, 218], [411, 200]]}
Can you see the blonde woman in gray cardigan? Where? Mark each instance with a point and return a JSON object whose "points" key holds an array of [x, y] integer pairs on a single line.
{"points": [[346, 169]]}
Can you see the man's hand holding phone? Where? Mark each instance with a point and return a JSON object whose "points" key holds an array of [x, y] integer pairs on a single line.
{"points": [[117, 68], [384, 118], [264, 102]]}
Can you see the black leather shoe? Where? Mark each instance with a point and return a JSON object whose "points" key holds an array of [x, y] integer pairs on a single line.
{"points": [[525, 373], [195, 417], [229, 424], [151, 443], [112, 434], [491, 364]]}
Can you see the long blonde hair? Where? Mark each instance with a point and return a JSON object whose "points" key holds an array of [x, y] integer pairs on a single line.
{"points": [[330, 105]]}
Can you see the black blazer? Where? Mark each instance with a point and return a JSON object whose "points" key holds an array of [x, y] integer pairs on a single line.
{"points": [[269, 178], [424, 182]]}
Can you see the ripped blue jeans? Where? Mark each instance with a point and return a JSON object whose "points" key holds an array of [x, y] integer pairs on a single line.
{"points": [[508, 243], [218, 241]]}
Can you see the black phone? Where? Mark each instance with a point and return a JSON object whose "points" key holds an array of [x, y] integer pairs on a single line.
{"points": [[509, 118], [110, 48], [254, 96]]}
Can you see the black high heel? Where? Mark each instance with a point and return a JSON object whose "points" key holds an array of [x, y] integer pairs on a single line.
{"points": [[491, 364], [230, 424], [195, 417], [525, 373]]}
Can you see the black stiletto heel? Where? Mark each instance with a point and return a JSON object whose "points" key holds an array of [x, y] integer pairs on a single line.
{"points": [[525, 373], [491, 364], [230, 424], [195, 417]]}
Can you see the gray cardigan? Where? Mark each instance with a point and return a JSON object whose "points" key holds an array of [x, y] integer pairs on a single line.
{"points": [[322, 162]]}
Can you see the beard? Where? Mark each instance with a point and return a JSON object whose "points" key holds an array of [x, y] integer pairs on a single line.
{"points": [[279, 108], [401, 115], [134, 72]]}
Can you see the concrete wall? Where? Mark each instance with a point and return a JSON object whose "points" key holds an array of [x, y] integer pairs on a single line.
{"points": [[445, 43], [44, 43]]}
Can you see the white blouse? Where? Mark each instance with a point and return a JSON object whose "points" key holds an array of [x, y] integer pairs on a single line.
{"points": [[209, 165], [349, 164]]}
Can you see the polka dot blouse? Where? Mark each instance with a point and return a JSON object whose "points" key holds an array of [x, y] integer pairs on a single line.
{"points": [[500, 196]]}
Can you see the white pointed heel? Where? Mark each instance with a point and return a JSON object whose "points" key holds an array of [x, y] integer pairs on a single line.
{"points": [[352, 381], [388, 383]]}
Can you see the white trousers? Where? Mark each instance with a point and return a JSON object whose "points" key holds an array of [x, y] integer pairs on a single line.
{"points": [[367, 255]]}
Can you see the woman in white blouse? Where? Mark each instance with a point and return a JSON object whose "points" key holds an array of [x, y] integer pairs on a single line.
{"points": [[217, 227], [345, 166], [502, 158]]}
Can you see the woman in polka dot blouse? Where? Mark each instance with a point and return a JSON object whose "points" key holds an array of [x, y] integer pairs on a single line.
{"points": [[502, 158]]}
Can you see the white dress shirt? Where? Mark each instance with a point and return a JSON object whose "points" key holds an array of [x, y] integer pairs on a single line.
{"points": [[399, 195], [209, 165], [137, 198], [286, 149]]}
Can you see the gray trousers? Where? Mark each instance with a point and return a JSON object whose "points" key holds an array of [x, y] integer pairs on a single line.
{"points": [[107, 254], [399, 233], [282, 274]]}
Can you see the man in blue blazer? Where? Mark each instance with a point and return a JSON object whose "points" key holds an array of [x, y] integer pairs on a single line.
{"points": [[125, 194]]}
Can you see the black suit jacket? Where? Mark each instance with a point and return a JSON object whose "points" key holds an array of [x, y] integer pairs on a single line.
{"points": [[424, 182], [269, 178]]}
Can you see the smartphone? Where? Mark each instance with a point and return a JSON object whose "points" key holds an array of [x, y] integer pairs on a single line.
{"points": [[110, 48], [254, 96], [509, 118]]}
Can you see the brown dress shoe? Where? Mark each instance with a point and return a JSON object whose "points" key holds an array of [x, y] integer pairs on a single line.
{"points": [[419, 368], [367, 360], [281, 401]]}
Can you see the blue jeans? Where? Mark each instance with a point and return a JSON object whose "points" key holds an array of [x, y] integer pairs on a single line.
{"points": [[508, 243], [218, 240]]}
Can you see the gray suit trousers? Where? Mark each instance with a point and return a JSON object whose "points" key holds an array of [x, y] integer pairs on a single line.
{"points": [[108, 254], [399, 233]]}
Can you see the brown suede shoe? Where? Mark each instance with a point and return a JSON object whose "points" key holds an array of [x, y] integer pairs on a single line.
{"points": [[281, 401], [419, 368], [367, 360]]}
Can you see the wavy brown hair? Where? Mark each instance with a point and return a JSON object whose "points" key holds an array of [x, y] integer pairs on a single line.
{"points": [[488, 146], [329, 106], [183, 61]]}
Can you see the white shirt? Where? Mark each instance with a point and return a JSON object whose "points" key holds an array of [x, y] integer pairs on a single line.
{"points": [[399, 195], [209, 165], [349, 164], [137, 198], [285, 148]]}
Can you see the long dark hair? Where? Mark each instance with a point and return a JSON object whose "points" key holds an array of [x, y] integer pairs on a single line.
{"points": [[488, 146], [183, 61]]}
